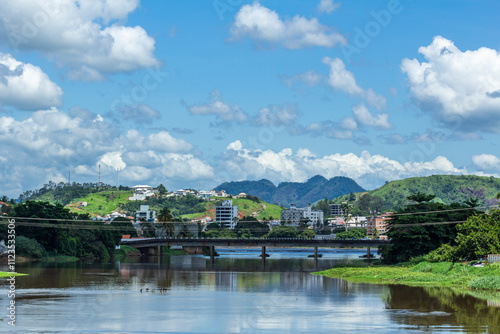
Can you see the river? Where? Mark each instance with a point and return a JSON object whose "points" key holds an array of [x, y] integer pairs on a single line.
{"points": [[235, 294]]}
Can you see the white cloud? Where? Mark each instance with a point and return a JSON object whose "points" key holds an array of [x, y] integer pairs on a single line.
{"points": [[460, 88], [71, 33], [349, 123], [276, 115], [310, 78], [366, 118], [368, 170], [163, 141], [219, 108], [342, 79], [327, 6], [50, 143], [486, 162], [113, 160], [139, 113], [264, 25], [26, 86]]}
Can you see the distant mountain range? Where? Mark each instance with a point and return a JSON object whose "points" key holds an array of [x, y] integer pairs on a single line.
{"points": [[299, 193]]}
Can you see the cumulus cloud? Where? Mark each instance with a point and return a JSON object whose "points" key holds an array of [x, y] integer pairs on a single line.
{"points": [[342, 79], [265, 26], [460, 88], [77, 35], [309, 78], [51, 142], [368, 170], [487, 162], [217, 107], [367, 119], [113, 160], [276, 115], [139, 113], [327, 6], [25, 86]]}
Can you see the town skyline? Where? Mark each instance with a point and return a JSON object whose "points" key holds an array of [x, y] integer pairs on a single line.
{"points": [[194, 94]]}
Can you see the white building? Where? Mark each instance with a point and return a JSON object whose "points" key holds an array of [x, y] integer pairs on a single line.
{"points": [[206, 195], [226, 214], [294, 215], [146, 214], [180, 192], [141, 192]]}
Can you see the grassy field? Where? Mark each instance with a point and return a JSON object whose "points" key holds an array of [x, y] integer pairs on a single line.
{"points": [[246, 207], [423, 274], [5, 274], [99, 204]]}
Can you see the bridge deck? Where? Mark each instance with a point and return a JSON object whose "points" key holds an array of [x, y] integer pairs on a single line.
{"points": [[196, 242]]}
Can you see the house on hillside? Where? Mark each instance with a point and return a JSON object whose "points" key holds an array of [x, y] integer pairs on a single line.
{"points": [[141, 192]]}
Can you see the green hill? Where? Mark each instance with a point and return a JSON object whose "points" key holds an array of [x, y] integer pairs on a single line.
{"points": [[299, 193], [446, 188], [101, 203], [246, 207]]}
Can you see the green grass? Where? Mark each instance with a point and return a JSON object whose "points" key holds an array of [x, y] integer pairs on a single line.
{"points": [[6, 274], [246, 207], [101, 203], [422, 274], [168, 251], [126, 250]]}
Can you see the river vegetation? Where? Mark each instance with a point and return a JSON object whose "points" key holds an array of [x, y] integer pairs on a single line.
{"points": [[47, 230], [436, 248], [423, 274]]}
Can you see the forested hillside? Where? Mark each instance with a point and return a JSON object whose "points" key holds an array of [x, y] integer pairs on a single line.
{"points": [[446, 188]]}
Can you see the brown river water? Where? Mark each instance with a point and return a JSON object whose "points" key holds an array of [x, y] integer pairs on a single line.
{"points": [[238, 293]]}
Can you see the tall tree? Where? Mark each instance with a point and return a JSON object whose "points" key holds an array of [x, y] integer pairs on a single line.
{"points": [[430, 225], [166, 217]]}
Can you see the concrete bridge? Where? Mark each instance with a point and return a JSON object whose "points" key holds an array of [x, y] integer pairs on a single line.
{"points": [[149, 244]]}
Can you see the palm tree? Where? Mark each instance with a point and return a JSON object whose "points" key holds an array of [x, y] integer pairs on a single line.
{"points": [[166, 217]]}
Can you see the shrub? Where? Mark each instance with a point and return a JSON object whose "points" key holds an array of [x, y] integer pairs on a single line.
{"points": [[487, 282], [29, 248], [445, 253]]}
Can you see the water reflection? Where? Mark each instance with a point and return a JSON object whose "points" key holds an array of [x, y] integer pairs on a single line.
{"points": [[431, 307], [189, 294]]}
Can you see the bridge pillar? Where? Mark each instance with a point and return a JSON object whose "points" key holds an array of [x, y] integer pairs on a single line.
{"points": [[316, 252], [263, 255], [368, 254], [158, 251], [212, 254]]}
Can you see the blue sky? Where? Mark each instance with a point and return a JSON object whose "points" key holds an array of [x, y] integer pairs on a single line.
{"points": [[195, 93]]}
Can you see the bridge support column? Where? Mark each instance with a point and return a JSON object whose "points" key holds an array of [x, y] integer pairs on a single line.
{"points": [[212, 254], [315, 252], [368, 254], [158, 251], [263, 255]]}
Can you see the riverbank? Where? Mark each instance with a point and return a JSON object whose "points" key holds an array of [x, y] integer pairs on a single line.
{"points": [[444, 274]]}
